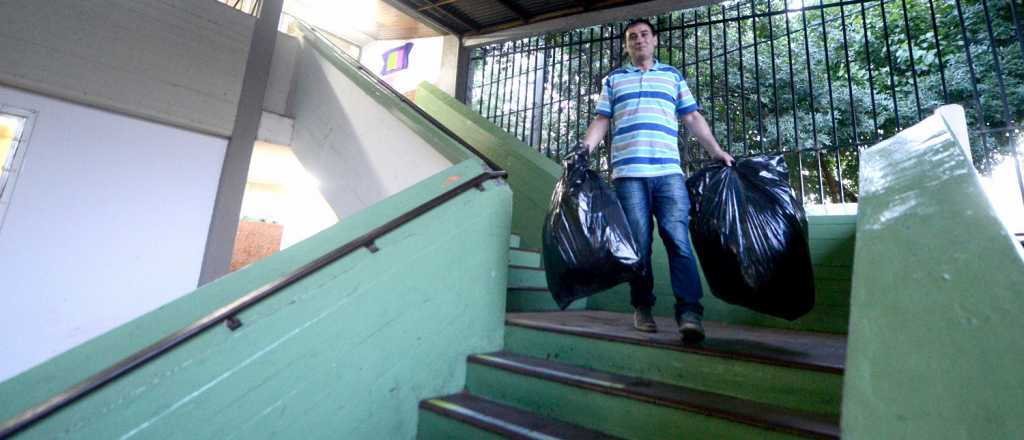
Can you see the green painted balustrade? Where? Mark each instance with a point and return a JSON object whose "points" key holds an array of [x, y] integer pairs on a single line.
{"points": [[531, 175], [347, 352], [935, 343]]}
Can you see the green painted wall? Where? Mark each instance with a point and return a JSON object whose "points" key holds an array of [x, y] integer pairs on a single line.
{"points": [[532, 177], [935, 347], [347, 352]]}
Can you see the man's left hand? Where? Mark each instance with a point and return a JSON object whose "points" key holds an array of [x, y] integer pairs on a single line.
{"points": [[724, 157]]}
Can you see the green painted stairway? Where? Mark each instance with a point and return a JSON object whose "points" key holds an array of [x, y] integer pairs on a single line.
{"points": [[527, 287], [588, 374]]}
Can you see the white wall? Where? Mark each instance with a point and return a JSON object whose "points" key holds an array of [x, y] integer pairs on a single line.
{"points": [[180, 62], [282, 75], [108, 220], [424, 61], [358, 151]]}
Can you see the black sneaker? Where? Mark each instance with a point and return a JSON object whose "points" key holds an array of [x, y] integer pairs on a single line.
{"points": [[643, 320], [691, 327]]}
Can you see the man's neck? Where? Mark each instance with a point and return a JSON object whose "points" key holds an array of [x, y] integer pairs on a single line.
{"points": [[644, 64]]}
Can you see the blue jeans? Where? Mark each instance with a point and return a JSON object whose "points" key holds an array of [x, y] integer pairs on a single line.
{"points": [[667, 199]]}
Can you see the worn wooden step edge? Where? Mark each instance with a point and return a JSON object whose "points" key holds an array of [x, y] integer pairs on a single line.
{"points": [[529, 289], [682, 398], [505, 420], [519, 267], [529, 250], [782, 361]]}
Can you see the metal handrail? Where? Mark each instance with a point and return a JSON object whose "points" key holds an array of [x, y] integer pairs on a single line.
{"points": [[368, 74], [228, 313]]}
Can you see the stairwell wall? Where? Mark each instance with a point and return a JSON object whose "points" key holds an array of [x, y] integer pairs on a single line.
{"points": [[346, 352], [358, 149], [108, 218]]}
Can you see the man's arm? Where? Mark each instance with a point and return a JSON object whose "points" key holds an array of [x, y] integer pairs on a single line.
{"points": [[595, 132], [698, 127]]}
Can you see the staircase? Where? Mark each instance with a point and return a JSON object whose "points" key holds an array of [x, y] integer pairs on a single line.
{"points": [[527, 285], [588, 374]]}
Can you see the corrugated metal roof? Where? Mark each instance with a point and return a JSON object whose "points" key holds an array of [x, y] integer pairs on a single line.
{"points": [[474, 17]]}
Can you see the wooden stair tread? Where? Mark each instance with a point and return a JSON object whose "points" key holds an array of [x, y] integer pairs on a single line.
{"points": [[683, 398], [515, 266], [796, 349], [522, 249], [506, 420]]}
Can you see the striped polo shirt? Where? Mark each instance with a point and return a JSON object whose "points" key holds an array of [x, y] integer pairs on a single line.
{"points": [[645, 108]]}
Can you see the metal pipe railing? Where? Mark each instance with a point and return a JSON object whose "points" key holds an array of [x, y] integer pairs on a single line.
{"points": [[228, 313]]}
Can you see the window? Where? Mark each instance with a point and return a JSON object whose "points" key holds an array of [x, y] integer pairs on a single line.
{"points": [[15, 126]]}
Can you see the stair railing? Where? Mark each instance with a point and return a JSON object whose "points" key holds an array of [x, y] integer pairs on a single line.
{"points": [[228, 313]]}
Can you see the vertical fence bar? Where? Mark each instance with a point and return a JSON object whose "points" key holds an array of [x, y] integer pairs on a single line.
{"points": [[743, 73], [888, 57], [938, 50], [853, 113], [757, 77], [491, 93], [725, 94], [559, 136], [526, 114], [1019, 30], [775, 83], [871, 78], [539, 87], [502, 72], [711, 81], [517, 70], [810, 81], [910, 51], [996, 62], [828, 77], [483, 69], [979, 116], [590, 89]]}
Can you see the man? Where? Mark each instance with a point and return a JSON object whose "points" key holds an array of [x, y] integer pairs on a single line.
{"points": [[646, 100]]}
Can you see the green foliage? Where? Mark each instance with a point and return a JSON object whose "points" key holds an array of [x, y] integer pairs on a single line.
{"points": [[825, 80]]}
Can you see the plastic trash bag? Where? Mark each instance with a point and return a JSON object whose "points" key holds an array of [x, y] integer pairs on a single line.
{"points": [[588, 246], [749, 231]]}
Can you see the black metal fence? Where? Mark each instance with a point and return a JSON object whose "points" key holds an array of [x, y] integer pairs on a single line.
{"points": [[816, 82]]}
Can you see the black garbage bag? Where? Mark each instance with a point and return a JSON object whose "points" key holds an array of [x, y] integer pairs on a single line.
{"points": [[749, 231], [588, 246]]}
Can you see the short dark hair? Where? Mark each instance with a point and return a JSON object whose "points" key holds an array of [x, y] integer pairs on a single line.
{"points": [[637, 21]]}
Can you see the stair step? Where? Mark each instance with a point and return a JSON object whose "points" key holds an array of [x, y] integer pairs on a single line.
{"points": [[487, 418], [537, 300], [633, 407], [799, 370], [514, 240], [524, 257], [526, 277]]}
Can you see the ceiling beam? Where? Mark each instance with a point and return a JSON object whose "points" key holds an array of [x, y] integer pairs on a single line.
{"points": [[515, 8], [408, 8], [460, 17], [577, 17]]}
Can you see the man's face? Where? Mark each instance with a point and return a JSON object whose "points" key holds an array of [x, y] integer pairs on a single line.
{"points": [[640, 42]]}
